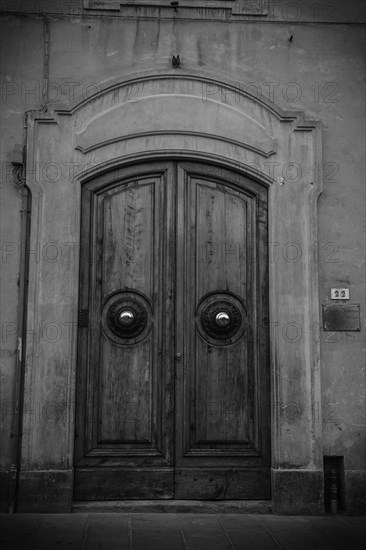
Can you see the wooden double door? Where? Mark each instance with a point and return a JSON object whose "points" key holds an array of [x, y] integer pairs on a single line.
{"points": [[173, 363]]}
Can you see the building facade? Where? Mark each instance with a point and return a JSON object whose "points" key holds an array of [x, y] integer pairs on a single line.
{"points": [[183, 207]]}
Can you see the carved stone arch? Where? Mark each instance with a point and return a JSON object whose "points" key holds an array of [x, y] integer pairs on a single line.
{"points": [[168, 115]]}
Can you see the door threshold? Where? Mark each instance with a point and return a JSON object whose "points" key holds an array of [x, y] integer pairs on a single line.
{"points": [[175, 506]]}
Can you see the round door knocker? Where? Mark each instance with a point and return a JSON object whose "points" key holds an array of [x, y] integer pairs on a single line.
{"points": [[221, 318], [126, 317]]}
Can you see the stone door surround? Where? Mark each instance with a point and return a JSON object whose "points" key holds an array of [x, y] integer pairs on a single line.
{"points": [[172, 115]]}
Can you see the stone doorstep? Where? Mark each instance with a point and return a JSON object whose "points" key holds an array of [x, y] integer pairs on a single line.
{"points": [[175, 506]]}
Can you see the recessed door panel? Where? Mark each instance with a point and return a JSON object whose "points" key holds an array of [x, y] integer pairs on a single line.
{"points": [[126, 369], [128, 236], [221, 379], [220, 226]]}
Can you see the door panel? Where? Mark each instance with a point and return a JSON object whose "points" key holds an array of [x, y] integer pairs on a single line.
{"points": [[128, 234], [218, 266], [219, 405], [173, 380], [125, 417], [220, 229], [125, 372]]}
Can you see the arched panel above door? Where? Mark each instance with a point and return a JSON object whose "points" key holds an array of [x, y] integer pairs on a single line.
{"points": [[178, 113]]}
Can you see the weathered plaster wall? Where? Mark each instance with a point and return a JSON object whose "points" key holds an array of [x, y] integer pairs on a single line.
{"points": [[320, 71], [21, 66]]}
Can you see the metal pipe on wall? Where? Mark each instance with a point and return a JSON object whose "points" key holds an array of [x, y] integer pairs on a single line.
{"points": [[17, 425]]}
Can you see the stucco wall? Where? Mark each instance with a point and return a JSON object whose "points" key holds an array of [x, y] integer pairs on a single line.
{"points": [[319, 71]]}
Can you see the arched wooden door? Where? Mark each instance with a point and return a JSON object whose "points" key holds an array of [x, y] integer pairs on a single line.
{"points": [[173, 362]]}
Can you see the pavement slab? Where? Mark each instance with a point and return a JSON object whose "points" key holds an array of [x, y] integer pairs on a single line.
{"points": [[297, 533], [340, 533], [112, 531]]}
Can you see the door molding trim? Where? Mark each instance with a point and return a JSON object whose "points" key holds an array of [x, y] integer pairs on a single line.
{"points": [[293, 174], [91, 172]]}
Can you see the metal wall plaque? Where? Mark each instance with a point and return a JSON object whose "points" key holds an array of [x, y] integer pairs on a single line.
{"points": [[341, 317]]}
